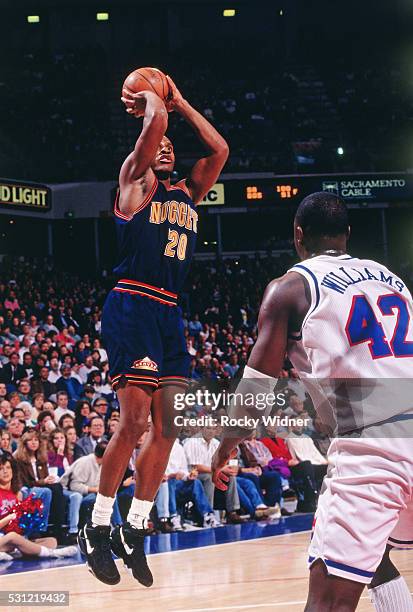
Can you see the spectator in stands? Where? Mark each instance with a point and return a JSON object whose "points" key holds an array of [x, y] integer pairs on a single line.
{"points": [[25, 346], [49, 325], [5, 442], [100, 405], [45, 422], [70, 384], [87, 444], [16, 427], [3, 391], [54, 372], [199, 452], [296, 409], [96, 381], [97, 346], [38, 403], [232, 367], [195, 327], [256, 467], [60, 456], [24, 389], [32, 465], [303, 448], [113, 424], [319, 436], [42, 384], [87, 368], [62, 406], [28, 365], [82, 411], [14, 399], [71, 437], [303, 475], [184, 486], [83, 477], [28, 413], [5, 412], [90, 394], [12, 373], [66, 420], [9, 495]]}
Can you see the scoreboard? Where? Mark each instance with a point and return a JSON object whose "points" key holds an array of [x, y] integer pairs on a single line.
{"points": [[285, 190]]}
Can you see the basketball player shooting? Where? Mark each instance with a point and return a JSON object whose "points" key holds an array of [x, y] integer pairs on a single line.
{"points": [[142, 325], [348, 320]]}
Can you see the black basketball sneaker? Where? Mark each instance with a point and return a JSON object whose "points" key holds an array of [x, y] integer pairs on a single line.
{"points": [[94, 544], [127, 544]]}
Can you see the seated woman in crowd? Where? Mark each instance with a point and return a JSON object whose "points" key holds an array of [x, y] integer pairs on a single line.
{"points": [[5, 442], [302, 472], [60, 456], [10, 542], [255, 458], [82, 415], [71, 439], [66, 420], [32, 464], [38, 402], [58, 453]]}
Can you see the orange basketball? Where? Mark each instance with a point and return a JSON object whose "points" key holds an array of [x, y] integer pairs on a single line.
{"points": [[147, 79]]}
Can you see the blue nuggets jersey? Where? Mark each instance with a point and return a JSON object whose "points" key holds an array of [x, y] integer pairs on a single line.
{"points": [[157, 242]]}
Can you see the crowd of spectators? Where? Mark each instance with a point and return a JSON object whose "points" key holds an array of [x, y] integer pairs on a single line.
{"points": [[58, 410], [291, 118]]}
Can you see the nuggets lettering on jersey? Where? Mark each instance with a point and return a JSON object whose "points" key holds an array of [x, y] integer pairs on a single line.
{"points": [[355, 349], [178, 213]]}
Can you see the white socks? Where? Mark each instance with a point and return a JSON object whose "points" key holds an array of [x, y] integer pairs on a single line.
{"points": [[102, 510], [137, 517], [45, 552], [139, 513], [393, 596]]}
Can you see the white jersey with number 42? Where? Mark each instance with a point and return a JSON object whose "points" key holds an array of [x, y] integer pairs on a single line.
{"points": [[355, 349]]}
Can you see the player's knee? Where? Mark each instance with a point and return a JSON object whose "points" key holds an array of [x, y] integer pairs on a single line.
{"points": [[131, 428]]}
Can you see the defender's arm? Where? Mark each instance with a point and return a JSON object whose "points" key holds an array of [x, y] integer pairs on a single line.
{"points": [[279, 313]]}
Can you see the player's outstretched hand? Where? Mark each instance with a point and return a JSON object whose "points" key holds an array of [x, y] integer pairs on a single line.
{"points": [[176, 100], [219, 461], [136, 102]]}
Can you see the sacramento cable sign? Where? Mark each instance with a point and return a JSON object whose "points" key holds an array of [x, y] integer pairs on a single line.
{"points": [[22, 195], [376, 187]]}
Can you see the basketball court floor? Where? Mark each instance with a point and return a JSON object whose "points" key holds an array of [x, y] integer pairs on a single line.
{"points": [[247, 568]]}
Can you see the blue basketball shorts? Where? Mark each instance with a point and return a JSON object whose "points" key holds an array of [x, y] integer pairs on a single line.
{"points": [[143, 333]]}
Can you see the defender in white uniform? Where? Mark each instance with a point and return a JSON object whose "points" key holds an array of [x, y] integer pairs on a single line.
{"points": [[346, 324]]}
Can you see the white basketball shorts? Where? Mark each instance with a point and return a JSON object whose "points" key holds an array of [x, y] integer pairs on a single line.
{"points": [[366, 502]]}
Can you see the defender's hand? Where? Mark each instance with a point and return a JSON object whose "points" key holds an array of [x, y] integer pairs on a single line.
{"points": [[220, 478], [176, 100]]}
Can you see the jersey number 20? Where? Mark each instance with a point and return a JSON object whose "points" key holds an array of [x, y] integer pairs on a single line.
{"points": [[363, 326], [176, 245]]}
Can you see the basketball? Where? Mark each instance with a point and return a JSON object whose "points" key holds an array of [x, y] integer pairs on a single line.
{"points": [[147, 79]]}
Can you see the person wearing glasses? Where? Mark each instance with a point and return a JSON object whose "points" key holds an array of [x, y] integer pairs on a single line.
{"points": [[100, 406]]}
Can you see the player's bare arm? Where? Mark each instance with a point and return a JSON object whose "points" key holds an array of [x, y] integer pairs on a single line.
{"points": [[205, 172], [136, 176], [282, 311]]}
